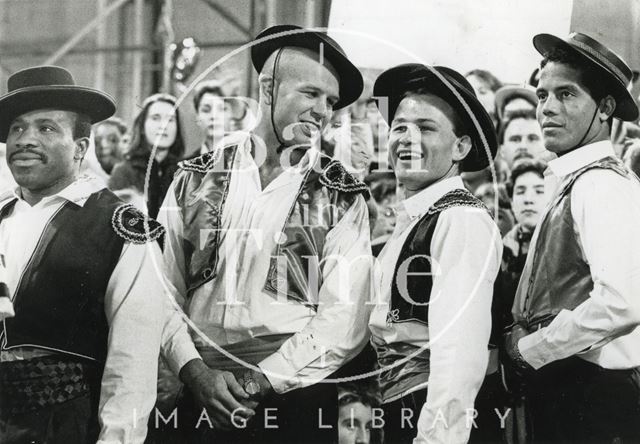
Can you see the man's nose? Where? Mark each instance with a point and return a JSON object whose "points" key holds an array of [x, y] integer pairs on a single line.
{"points": [[410, 136], [25, 139], [320, 109], [549, 106]]}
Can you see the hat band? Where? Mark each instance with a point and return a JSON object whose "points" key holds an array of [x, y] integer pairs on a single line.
{"points": [[600, 58]]}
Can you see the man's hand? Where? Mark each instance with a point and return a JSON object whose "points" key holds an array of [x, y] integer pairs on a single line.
{"points": [[513, 352], [219, 392], [256, 385]]}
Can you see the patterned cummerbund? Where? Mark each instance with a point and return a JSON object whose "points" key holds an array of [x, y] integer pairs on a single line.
{"points": [[33, 384], [404, 369]]}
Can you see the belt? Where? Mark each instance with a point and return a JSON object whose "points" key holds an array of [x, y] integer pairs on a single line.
{"points": [[539, 323]]}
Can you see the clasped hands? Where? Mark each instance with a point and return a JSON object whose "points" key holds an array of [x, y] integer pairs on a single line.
{"points": [[223, 395], [511, 339]]}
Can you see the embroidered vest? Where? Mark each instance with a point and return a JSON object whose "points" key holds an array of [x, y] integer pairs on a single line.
{"points": [[412, 278], [410, 294], [59, 300], [201, 188], [560, 277]]}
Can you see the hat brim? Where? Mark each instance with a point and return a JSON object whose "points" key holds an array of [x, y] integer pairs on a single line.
{"points": [[395, 82], [626, 108], [95, 104], [276, 37], [508, 92]]}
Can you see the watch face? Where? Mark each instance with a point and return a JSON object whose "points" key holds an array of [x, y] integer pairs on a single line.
{"points": [[252, 387]]}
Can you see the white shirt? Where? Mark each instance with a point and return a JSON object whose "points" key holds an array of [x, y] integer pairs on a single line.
{"points": [[603, 329], [234, 307], [133, 308], [466, 249]]}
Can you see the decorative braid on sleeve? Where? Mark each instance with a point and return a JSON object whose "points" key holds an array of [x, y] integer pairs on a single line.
{"points": [[134, 226], [457, 198], [203, 163], [336, 177]]}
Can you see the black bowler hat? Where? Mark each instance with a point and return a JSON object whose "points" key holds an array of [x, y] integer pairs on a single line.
{"points": [[280, 36], [601, 58], [395, 82], [50, 87]]}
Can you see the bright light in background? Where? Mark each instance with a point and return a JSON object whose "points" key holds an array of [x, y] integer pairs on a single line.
{"points": [[462, 34]]}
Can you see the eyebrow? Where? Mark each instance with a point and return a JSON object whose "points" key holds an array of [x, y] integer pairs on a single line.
{"points": [[569, 86], [320, 90], [36, 121], [417, 121]]}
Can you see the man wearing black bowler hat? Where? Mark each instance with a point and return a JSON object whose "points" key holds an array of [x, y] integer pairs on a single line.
{"points": [[267, 246], [576, 342], [432, 323], [78, 357]]}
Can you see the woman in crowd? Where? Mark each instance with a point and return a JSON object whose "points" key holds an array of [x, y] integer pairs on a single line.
{"points": [[528, 199], [356, 401], [156, 141], [485, 84]]}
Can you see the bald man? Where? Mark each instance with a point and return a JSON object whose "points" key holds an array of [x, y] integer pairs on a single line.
{"points": [[268, 249]]}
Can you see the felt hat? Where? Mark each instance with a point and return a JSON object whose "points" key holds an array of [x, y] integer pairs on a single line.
{"points": [[509, 92], [281, 36], [601, 58], [449, 85], [50, 87]]}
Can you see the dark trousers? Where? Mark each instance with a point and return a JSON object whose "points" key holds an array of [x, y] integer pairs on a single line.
{"points": [[401, 417], [71, 422], [489, 428], [307, 415], [575, 401]]}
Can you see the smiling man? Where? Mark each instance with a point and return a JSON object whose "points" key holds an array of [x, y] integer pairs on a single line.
{"points": [[577, 342], [268, 246], [432, 322], [78, 360]]}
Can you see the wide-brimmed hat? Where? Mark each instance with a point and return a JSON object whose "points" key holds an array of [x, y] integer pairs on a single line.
{"points": [[394, 83], [509, 92], [601, 58], [50, 87], [280, 36]]}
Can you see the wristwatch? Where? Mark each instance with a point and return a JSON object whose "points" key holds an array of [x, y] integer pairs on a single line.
{"points": [[250, 385]]}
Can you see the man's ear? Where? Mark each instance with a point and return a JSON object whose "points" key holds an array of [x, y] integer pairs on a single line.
{"points": [[606, 108], [266, 88], [82, 146], [461, 148]]}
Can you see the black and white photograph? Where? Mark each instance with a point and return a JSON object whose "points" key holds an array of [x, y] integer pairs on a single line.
{"points": [[320, 221]]}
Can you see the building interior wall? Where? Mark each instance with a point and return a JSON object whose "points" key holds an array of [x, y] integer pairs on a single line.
{"points": [[32, 30]]}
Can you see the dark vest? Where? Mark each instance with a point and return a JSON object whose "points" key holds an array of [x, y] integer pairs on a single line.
{"points": [[560, 277], [412, 278], [201, 188], [59, 301], [410, 294]]}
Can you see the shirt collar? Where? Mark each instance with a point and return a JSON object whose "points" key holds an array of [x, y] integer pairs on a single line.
{"points": [[77, 192], [581, 157], [418, 204], [310, 158]]}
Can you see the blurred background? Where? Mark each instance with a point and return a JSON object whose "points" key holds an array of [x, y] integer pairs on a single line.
{"points": [[121, 46]]}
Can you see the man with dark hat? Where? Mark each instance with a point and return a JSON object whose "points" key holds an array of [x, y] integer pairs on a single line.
{"points": [[432, 321], [576, 342], [78, 359], [268, 247]]}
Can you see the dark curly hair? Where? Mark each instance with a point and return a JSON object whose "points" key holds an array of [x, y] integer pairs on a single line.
{"points": [[525, 166], [595, 81], [139, 146]]}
